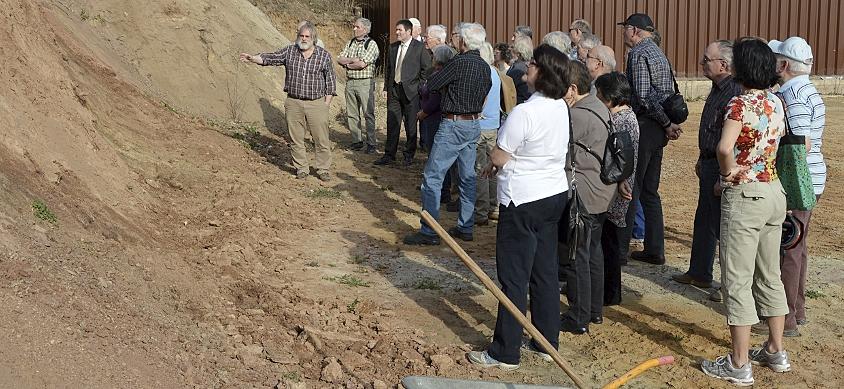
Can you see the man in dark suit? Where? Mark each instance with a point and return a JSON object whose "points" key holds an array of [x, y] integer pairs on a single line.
{"points": [[407, 64]]}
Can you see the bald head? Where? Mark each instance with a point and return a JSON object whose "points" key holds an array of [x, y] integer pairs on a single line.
{"points": [[600, 60]]}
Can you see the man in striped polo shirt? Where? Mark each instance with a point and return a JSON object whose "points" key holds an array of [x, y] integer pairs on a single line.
{"points": [[806, 113], [358, 57]]}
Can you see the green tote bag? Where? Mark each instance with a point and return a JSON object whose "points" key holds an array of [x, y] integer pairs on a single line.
{"points": [[793, 170]]}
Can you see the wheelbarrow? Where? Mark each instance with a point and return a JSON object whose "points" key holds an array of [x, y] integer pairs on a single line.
{"points": [[416, 382]]}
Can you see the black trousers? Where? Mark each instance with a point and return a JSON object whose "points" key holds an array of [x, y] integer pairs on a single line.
{"points": [[646, 189], [707, 227], [585, 276], [400, 110], [526, 258], [613, 259]]}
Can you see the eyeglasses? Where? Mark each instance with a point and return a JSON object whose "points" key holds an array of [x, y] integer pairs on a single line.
{"points": [[595, 58], [705, 60]]}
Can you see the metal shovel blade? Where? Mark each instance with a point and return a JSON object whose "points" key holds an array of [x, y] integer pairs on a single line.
{"points": [[417, 382]]}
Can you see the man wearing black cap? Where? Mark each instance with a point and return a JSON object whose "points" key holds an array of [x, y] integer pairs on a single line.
{"points": [[651, 81]]}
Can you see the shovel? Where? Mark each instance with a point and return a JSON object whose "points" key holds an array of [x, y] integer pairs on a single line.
{"points": [[430, 382]]}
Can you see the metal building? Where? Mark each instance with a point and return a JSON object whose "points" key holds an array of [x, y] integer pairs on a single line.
{"points": [[686, 25]]}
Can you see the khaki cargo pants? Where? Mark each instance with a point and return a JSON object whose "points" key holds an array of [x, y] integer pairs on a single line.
{"points": [[751, 229]]}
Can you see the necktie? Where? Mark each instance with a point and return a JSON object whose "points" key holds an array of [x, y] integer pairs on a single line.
{"points": [[399, 61]]}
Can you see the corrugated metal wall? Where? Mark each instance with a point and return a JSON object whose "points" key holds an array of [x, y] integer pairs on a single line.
{"points": [[687, 25], [378, 12]]}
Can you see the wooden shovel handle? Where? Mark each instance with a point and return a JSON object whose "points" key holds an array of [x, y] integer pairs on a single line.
{"points": [[490, 285]]}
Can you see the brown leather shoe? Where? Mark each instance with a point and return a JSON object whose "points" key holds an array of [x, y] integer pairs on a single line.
{"points": [[685, 278]]}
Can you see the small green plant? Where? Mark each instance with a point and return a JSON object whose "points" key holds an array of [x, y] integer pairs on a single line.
{"points": [[427, 283], [312, 264], [292, 376], [170, 107], [324, 193], [41, 211], [99, 18], [814, 294], [677, 338], [250, 128], [350, 280], [84, 15], [352, 306], [357, 259]]}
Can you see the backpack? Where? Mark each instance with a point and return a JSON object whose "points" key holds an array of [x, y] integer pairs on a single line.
{"points": [[366, 43], [617, 163]]}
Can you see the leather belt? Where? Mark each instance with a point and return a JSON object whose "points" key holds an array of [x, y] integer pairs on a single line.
{"points": [[471, 116]]}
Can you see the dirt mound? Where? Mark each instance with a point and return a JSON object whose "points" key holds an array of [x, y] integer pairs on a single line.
{"points": [[139, 245], [185, 52]]}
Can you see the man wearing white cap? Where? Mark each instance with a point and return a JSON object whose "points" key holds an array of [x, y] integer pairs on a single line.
{"points": [[416, 32], [805, 112]]}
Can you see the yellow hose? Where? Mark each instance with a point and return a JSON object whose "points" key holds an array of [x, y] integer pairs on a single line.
{"points": [[666, 360]]}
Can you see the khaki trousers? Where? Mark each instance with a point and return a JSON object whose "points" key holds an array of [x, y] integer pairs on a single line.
{"points": [[486, 199], [360, 97], [313, 116], [751, 229]]}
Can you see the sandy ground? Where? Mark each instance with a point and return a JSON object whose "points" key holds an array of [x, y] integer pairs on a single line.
{"points": [[185, 254]]}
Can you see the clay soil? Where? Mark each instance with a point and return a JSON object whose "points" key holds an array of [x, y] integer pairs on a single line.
{"points": [[185, 253]]}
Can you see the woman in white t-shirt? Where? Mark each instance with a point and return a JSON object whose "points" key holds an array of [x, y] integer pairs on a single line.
{"points": [[529, 160]]}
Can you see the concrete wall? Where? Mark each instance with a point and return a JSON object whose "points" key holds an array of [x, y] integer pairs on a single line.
{"points": [[698, 89]]}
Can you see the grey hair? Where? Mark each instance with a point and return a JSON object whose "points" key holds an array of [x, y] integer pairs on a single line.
{"points": [[367, 25], [524, 31], [307, 25], [656, 37], [442, 54], [486, 53], [437, 31], [458, 27], [725, 48], [473, 35], [796, 67], [606, 55], [558, 40], [582, 25], [523, 47], [589, 41]]}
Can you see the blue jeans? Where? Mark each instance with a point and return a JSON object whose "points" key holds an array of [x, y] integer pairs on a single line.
{"points": [[455, 140], [707, 227], [639, 224]]}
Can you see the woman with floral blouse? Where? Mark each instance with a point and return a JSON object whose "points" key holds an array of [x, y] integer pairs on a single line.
{"points": [[752, 212]]}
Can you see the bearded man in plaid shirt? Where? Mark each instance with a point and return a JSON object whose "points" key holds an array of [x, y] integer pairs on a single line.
{"points": [[310, 84]]}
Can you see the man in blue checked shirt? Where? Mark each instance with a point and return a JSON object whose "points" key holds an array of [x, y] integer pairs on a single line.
{"points": [[651, 82]]}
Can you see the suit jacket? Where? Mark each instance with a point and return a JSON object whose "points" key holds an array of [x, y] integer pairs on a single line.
{"points": [[417, 61], [508, 92]]}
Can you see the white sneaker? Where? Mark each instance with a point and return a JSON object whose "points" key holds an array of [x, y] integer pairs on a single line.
{"points": [[722, 367], [777, 361], [528, 346], [483, 359]]}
